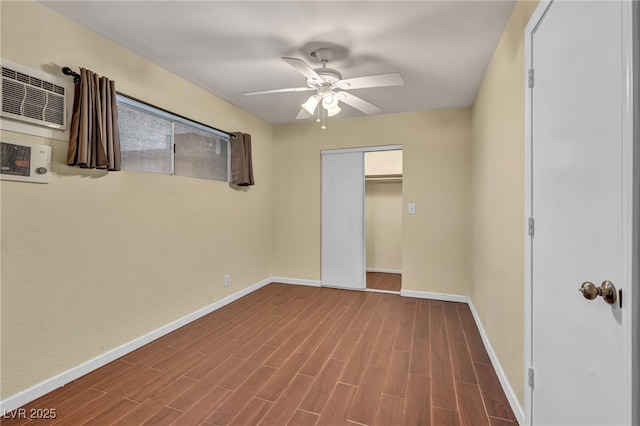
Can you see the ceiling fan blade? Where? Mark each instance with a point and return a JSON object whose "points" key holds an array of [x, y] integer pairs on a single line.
{"points": [[378, 80], [290, 89], [303, 68], [357, 103]]}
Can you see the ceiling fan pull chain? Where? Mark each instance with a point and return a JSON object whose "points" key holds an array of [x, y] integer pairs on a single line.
{"points": [[323, 127]]}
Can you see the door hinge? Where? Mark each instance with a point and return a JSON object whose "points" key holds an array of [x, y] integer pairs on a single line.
{"points": [[530, 377], [530, 82], [531, 226]]}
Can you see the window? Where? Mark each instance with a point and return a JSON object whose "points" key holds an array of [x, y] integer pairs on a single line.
{"points": [[156, 141]]}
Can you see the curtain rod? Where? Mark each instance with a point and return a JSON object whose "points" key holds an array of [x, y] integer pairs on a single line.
{"points": [[76, 78]]}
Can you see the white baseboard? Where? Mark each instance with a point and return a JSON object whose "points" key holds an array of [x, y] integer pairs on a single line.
{"points": [[502, 377], [36, 391], [435, 296], [387, 271], [297, 281]]}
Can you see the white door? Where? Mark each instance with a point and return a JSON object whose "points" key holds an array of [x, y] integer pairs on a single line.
{"points": [[580, 208], [343, 255]]}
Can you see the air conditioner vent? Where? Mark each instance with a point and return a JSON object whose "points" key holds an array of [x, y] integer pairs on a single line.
{"points": [[32, 99]]}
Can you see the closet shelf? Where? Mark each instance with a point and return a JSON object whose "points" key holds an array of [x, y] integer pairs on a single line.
{"points": [[383, 178]]}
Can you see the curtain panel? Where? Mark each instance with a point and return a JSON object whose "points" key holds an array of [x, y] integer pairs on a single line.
{"points": [[241, 161], [95, 140]]}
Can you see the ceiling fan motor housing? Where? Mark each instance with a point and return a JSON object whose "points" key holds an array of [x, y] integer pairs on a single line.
{"points": [[329, 75]]}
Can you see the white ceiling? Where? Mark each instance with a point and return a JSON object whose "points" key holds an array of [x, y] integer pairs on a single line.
{"points": [[442, 48]]}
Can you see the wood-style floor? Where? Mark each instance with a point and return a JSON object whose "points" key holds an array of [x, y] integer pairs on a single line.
{"points": [[293, 355], [384, 281]]}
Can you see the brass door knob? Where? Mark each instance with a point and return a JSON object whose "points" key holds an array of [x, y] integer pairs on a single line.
{"points": [[607, 290]]}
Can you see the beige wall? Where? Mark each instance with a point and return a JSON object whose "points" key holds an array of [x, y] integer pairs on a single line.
{"points": [[497, 257], [94, 260], [436, 172], [383, 234]]}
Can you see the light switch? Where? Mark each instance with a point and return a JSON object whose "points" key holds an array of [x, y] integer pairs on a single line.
{"points": [[411, 208]]}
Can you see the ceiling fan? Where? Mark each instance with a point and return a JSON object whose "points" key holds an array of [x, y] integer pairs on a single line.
{"points": [[330, 88]]}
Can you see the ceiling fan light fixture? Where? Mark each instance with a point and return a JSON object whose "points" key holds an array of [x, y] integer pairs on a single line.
{"points": [[311, 104], [330, 101], [334, 111]]}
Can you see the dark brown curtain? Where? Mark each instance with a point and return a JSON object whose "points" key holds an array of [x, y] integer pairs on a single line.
{"points": [[241, 162], [95, 139]]}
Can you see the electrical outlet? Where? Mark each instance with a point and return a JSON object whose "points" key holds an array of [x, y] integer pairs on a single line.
{"points": [[227, 280]]}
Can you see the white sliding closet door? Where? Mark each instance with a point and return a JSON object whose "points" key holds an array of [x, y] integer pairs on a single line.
{"points": [[343, 254]]}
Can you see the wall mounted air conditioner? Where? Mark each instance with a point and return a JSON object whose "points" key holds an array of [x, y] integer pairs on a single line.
{"points": [[32, 97]]}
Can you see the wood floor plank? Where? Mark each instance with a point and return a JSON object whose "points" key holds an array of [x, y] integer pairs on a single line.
{"points": [[445, 417], [394, 315], [283, 353], [472, 412], [455, 333], [185, 400], [358, 361], [461, 363], [256, 343], [235, 403], [342, 358], [395, 382], [154, 404], [129, 384], [245, 369], [115, 378], [381, 351], [366, 311], [112, 413], [418, 401], [495, 401], [302, 418], [251, 413], [422, 325], [346, 345], [115, 368], [314, 338], [199, 411], [319, 357], [443, 392], [320, 392], [165, 416], [208, 363], [420, 363], [365, 403], [472, 335], [438, 331], [336, 410], [371, 331], [146, 389], [404, 336], [75, 402], [390, 411], [284, 408], [282, 377], [78, 416]]}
